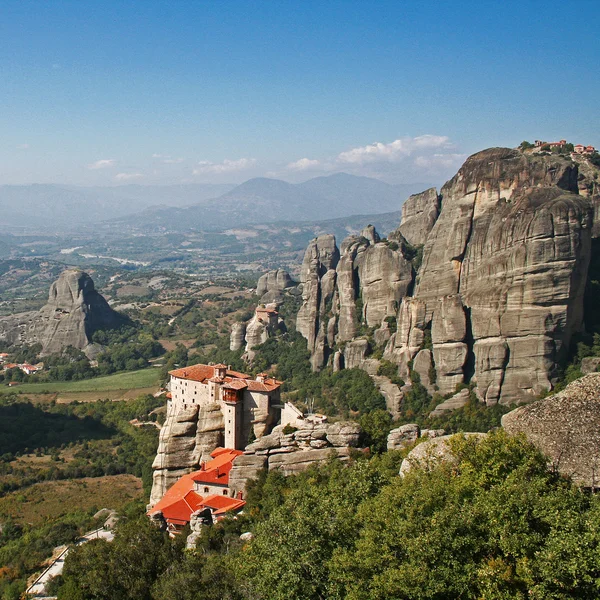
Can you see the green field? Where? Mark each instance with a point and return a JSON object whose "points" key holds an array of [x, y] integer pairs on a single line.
{"points": [[144, 378]]}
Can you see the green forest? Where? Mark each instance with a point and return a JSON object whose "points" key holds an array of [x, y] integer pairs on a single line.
{"points": [[495, 523]]}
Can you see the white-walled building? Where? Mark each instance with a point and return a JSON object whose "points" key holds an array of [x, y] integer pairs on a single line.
{"points": [[245, 402]]}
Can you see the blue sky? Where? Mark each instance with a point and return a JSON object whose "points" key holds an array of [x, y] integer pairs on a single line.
{"points": [[166, 92]]}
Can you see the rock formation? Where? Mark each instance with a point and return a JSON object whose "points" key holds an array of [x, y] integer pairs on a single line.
{"points": [[431, 452], [566, 428], [419, 214], [296, 451], [271, 286], [503, 275], [363, 284], [73, 312], [498, 295], [405, 435], [264, 324]]}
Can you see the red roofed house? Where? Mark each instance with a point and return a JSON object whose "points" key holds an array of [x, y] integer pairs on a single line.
{"points": [[197, 491], [242, 398]]}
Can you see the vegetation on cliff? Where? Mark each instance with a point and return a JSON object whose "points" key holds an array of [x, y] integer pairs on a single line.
{"points": [[496, 524]]}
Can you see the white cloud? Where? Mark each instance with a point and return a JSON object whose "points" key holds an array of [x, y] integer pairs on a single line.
{"points": [[128, 176], [227, 166], [303, 164], [395, 151], [103, 163]]}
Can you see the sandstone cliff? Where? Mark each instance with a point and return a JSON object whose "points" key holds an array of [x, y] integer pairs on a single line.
{"points": [[504, 268], [73, 312], [293, 452], [272, 285], [499, 293], [363, 284], [419, 214]]}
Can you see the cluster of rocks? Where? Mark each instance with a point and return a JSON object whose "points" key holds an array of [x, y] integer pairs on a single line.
{"points": [[74, 311], [273, 285], [292, 450], [264, 324], [498, 296], [408, 434]]}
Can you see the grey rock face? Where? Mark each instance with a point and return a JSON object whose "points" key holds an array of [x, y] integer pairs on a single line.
{"points": [[237, 338], [419, 214], [271, 286], [502, 279], [566, 428], [318, 284], [346, 433], [403, 436], [355, 353], [590, 364], [431, 452], [457, 401], [74, 311], [332, 283], [295, 452]]}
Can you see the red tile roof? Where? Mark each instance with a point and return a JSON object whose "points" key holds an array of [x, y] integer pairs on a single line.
{"points": [[235, 384], [180, 501], [216, 471], [268, 385], [203, 372], [222, 504]]}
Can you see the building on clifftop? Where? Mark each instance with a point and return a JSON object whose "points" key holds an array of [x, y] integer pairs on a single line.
{"points": [[242, 399]]}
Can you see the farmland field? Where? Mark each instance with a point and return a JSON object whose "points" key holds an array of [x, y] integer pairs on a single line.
{"points": [[144, 378]]}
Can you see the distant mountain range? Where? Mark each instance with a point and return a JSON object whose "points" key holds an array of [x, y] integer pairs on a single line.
{"points": [[208, 207]]}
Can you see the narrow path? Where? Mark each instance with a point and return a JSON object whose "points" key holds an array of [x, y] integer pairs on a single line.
{"points": [[38, 588]]}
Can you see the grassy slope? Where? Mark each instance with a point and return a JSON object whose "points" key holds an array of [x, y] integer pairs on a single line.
{"points": [[53, 499], [143, 378]]}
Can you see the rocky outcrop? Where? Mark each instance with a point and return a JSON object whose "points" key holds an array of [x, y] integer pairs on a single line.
{"points": [[264, 324], [431, 452], [295, 450], [74, 311], [499, 292], [363, 284], [403, 436], [237, 339], [453, 403], [419, 214], [590, 364], [406, 435], [271, 286], [566, 428], [318, 279], [502, 279]]}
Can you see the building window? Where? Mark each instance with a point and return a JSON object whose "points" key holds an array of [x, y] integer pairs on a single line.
{"points": [[224, 492], [206, 490]]}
